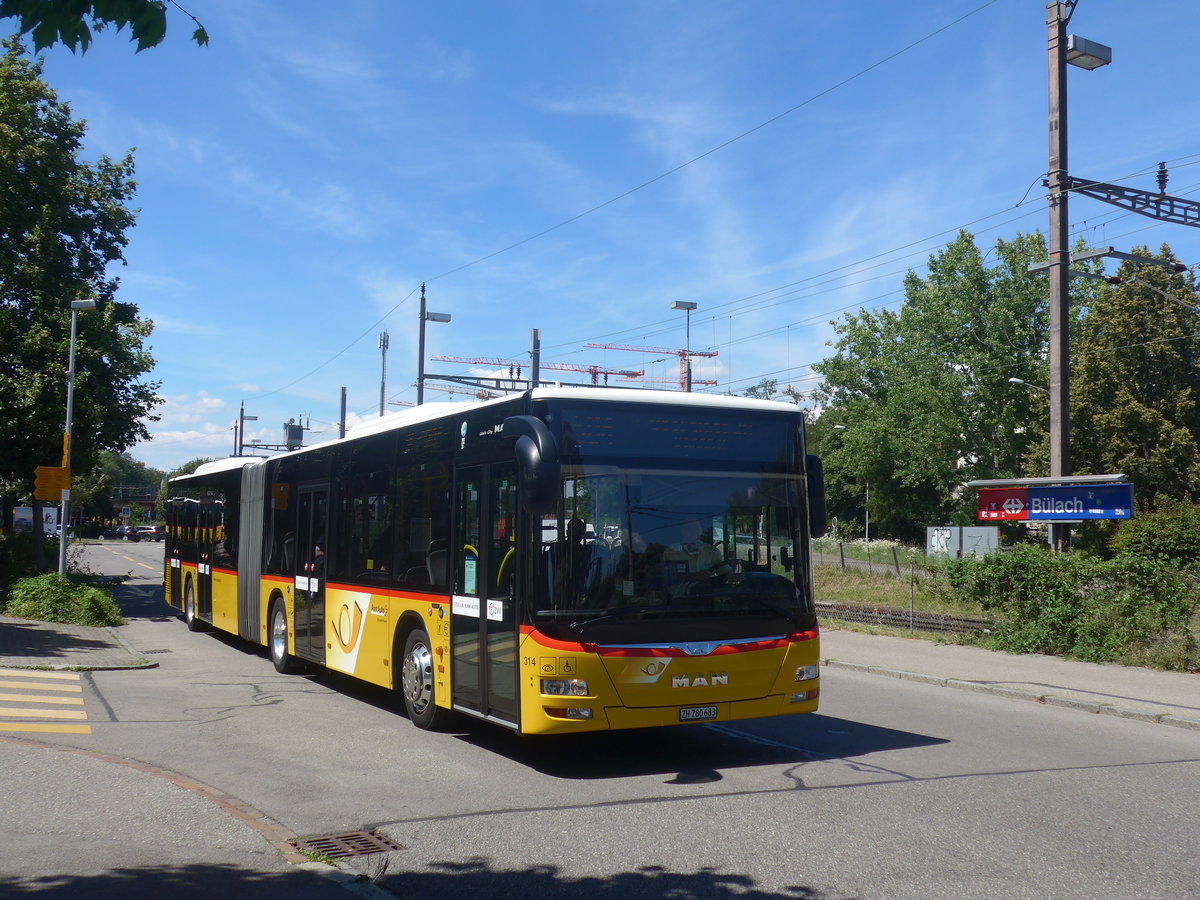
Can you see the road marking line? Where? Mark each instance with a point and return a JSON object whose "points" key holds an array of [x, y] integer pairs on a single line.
{"points": [[46, 727], [42, 698], [151, 568], [73, 688], [34, 673], [42, 713]]}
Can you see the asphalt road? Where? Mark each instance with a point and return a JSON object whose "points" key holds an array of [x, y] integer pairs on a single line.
{"points": [[895, 789]]}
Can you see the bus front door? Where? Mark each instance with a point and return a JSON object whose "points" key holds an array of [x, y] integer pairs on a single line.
{"points": [[483, 624], [313, 510]]}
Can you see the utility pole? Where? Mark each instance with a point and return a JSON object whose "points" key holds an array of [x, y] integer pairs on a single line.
{"points": [[425, 316], [1060, 262], [535, 357], [384, 341], [241, 429]]}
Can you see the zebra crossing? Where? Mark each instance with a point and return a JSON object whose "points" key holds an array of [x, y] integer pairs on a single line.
{"points": [[44, 702]]}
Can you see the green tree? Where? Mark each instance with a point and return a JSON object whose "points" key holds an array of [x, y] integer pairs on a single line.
{"points": [[62, 224], [72, 22], [764, 390], [923, 392], [1135, 377]]}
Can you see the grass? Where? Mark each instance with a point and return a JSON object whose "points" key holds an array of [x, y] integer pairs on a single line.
{"points": [[833, 584], [877, 552]]}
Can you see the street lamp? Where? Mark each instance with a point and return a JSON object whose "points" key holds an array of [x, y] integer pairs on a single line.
{"points": [[1063, 49], [866, 501], [1021, 381], [425, 317], [687, 306], [77, 306]]}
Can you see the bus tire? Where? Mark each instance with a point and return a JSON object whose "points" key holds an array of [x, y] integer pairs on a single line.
{"points": [[189, 607], [416, 682], [277, 639]]}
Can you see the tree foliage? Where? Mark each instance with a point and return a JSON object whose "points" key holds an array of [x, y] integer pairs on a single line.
{"points": [[63, 222], [923, 397], [923, 392], [1135, 378], [72, 22]]}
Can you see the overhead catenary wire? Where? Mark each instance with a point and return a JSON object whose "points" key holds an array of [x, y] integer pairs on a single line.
{"points": [[642, 186]]}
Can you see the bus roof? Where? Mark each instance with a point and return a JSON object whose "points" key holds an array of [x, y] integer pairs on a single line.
{"points": [[442, 410], [219, 465]]}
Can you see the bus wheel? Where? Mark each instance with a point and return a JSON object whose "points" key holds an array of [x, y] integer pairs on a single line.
{"points": [[277, 639], [416, 682], [189, 608]]}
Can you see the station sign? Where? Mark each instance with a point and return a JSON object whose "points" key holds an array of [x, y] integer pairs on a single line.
{"points": [[1056, 503]]}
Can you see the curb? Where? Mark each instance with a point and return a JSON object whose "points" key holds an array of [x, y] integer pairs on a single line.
{"points": [[142, 662], [1088, 706]]}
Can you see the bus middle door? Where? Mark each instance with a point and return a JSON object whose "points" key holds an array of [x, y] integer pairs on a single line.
{"points": [[483, 623], [209, 521], [311, 534]]}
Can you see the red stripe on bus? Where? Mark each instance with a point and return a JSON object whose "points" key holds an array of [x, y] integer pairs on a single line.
{"points": [[720, 650]]}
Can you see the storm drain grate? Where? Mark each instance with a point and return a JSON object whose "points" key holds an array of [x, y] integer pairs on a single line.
{"points": [[147, 652], [352, 843]]}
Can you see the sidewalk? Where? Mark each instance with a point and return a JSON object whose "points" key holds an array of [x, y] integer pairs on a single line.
{"points": [[27, 644], [1167, 698], [128, 816]]}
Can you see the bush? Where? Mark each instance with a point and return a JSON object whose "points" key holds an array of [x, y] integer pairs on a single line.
{"points": [[1131, 609], [1172, 533], [50, 598], [16, 558]]}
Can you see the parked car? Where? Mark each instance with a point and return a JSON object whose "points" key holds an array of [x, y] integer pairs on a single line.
{"points": [[152, 532], [120, 533]]}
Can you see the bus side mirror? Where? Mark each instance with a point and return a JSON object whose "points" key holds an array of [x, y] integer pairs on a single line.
{"points": [[816, 496], [537, 453]]}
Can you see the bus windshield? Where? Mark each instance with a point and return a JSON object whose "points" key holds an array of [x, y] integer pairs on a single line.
{"points": [[638, 556]]}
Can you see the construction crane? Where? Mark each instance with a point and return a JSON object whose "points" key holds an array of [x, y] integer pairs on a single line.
{"points": [[682, 354], [594, 371], [654, 379], [477, 393]]}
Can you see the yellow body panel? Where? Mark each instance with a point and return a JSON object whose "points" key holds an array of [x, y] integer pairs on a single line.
{"points": [[649, 690], [225, 601], [629, 691]]}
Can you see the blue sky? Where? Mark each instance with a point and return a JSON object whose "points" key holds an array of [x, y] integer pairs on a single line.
{"points": [[301, 176]]}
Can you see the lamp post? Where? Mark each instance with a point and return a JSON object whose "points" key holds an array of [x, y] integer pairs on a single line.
{"points": [[687, 306], [1063, 49], [77, 306], [866, 501], [1021, 381], [425, 317]]}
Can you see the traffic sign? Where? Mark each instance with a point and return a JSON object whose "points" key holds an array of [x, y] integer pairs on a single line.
{"points": [[1056, 503], [50, 481]]}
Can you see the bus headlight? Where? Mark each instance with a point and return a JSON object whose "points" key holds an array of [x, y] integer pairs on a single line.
{"points": [[565, 687], [807, 673]]}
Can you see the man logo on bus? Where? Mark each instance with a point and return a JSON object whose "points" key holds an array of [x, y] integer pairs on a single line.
{"points": [[713, 678]]}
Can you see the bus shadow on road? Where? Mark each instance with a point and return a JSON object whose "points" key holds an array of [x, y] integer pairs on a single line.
{"points": [[696, 753]]}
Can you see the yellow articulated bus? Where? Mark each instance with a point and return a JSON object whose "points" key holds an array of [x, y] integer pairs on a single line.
{"points": [[564, 560]]}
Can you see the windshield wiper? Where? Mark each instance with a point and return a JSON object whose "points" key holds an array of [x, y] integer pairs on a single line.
{"points": [[619, 612], [783, 612]]}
